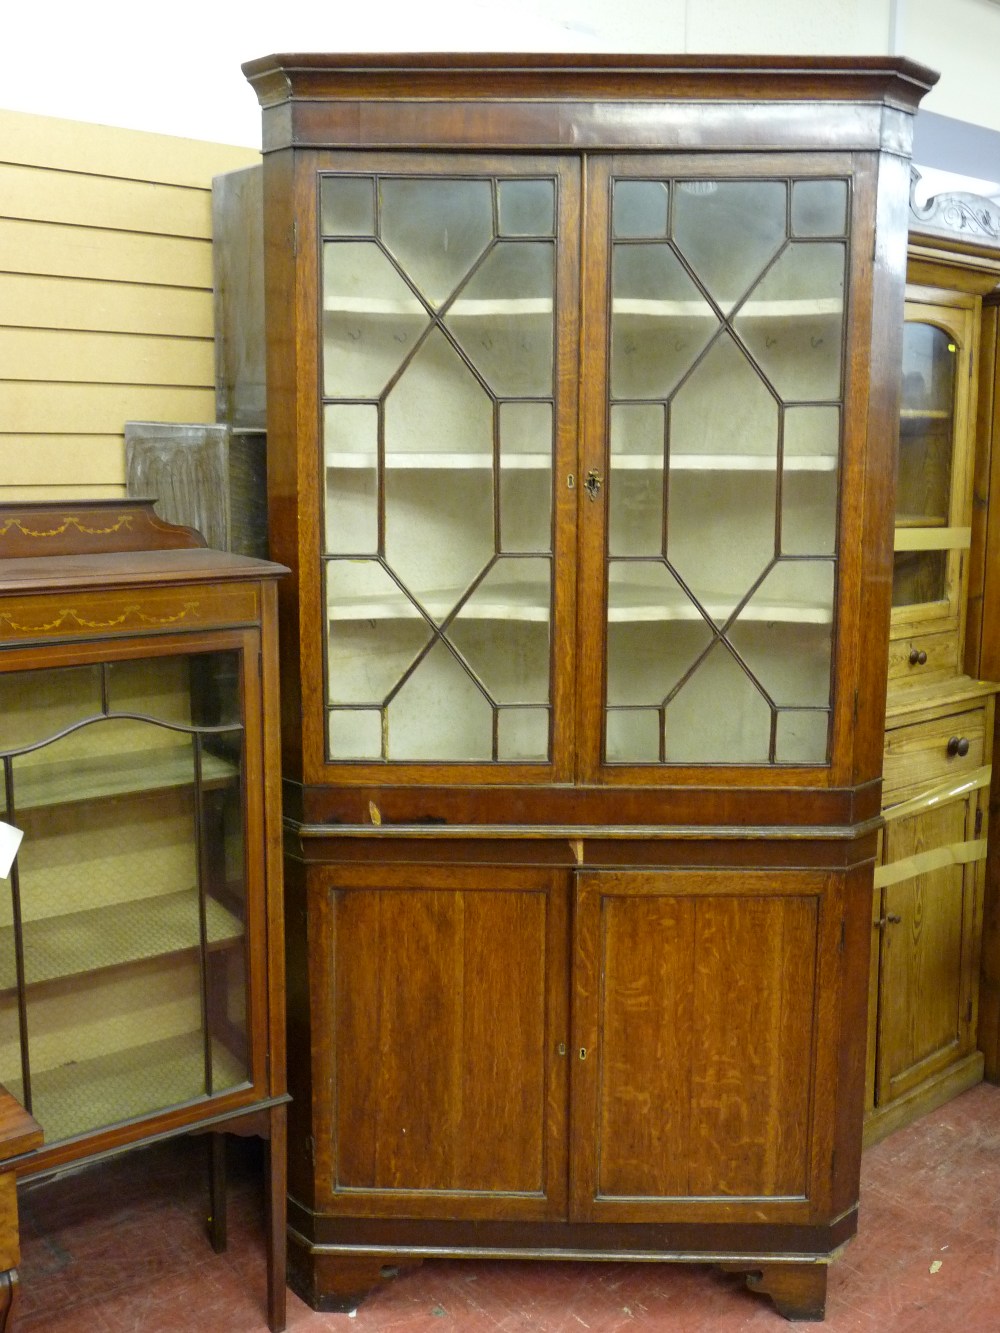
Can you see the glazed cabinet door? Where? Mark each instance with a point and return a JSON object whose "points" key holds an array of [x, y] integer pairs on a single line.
{"points": [[929, 923], [135, 907], [714, 411], [934, 483], [446, 992], [447, 310], [699, 1051]]}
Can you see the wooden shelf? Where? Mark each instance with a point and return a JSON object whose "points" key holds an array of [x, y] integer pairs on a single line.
{"points": [[908, 414], [80, 943], [87, 1095], [467, 308], [523, 602], [62, 781], [424, 461], [789, 308]]}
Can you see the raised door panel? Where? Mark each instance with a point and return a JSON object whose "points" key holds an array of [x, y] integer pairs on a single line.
{"points": [[448, 992], [929, 954], [696, 1035]]}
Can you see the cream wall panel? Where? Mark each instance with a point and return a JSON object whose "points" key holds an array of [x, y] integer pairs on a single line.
{"points": [[962, 39], [101, 201], [35, 301], [827, 27], [97, 409], [86, 252], [33, 460], [60, 491], [47, 354], [45, 141]]}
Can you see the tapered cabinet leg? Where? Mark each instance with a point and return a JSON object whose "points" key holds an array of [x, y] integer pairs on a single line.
{"points": [[217, 1221], [277, 1215], [797, 1290], [8, 1299]]}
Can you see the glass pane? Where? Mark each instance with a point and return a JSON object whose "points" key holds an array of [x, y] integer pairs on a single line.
{"points": [[924, 468], [525, 477], [502, 631], [371, 319], [793, 322], [132, 885], [355, 733], [660, 322], [633, 736], [655, 633], [721, 537], [640, 208], [503, 319], [729, 231], [350, 446], [347, 205], [919, 576], [635, 511], [527, 208], [440, 713], [438, 407], [523, 734], [58, 698], [376, 632], [461, 477], [792, 663], [802, 738], [723, 415], [819, 208], [718, 716], [436, 228]]}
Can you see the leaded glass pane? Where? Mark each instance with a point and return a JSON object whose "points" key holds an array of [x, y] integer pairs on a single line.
{"points": [[729, 231], [438, 372], [725, 417], [436, 229]]}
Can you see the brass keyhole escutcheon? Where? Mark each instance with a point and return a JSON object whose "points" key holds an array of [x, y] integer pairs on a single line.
{"points": [[593, 483]]}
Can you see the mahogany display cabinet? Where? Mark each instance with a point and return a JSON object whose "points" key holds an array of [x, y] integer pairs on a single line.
{"points": [[141, 930], [583, 379]]}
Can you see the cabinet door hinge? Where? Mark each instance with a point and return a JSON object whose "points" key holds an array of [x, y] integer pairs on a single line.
{"points": [[968, 1012], [843, 936], [295, 240], [979, 822]]}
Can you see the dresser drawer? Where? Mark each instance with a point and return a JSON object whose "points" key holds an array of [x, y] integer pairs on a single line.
{"points": [[920, 754], [921, 658]]}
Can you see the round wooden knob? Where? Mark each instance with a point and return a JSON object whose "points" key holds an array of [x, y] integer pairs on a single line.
{"points": [[917, 657], [958, 745]]}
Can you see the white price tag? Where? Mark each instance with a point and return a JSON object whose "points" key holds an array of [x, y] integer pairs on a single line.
{"points": [[10, 840]]}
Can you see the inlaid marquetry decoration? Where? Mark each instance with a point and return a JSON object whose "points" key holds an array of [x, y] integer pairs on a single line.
{"points": [[725, 401], [438, 332]]}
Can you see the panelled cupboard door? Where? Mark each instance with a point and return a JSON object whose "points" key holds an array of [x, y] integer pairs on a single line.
{"points": [[699, 1050], [447, 996], [930, 926]]}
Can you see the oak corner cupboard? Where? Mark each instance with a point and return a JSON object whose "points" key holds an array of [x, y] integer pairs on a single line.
{"points": [[583, 378], [141, 928]]}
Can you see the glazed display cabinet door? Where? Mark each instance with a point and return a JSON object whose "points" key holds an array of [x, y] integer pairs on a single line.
{"points": [[448, 997], [124, 939], [696, 1043], [934, 477], [930, 927], [449, 309], [717, 440]]}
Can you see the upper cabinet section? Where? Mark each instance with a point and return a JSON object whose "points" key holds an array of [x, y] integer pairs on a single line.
{"points": [[568, 445]]}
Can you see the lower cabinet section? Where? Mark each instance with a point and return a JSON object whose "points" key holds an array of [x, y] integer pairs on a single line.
{"points": [[575, 1061]]}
